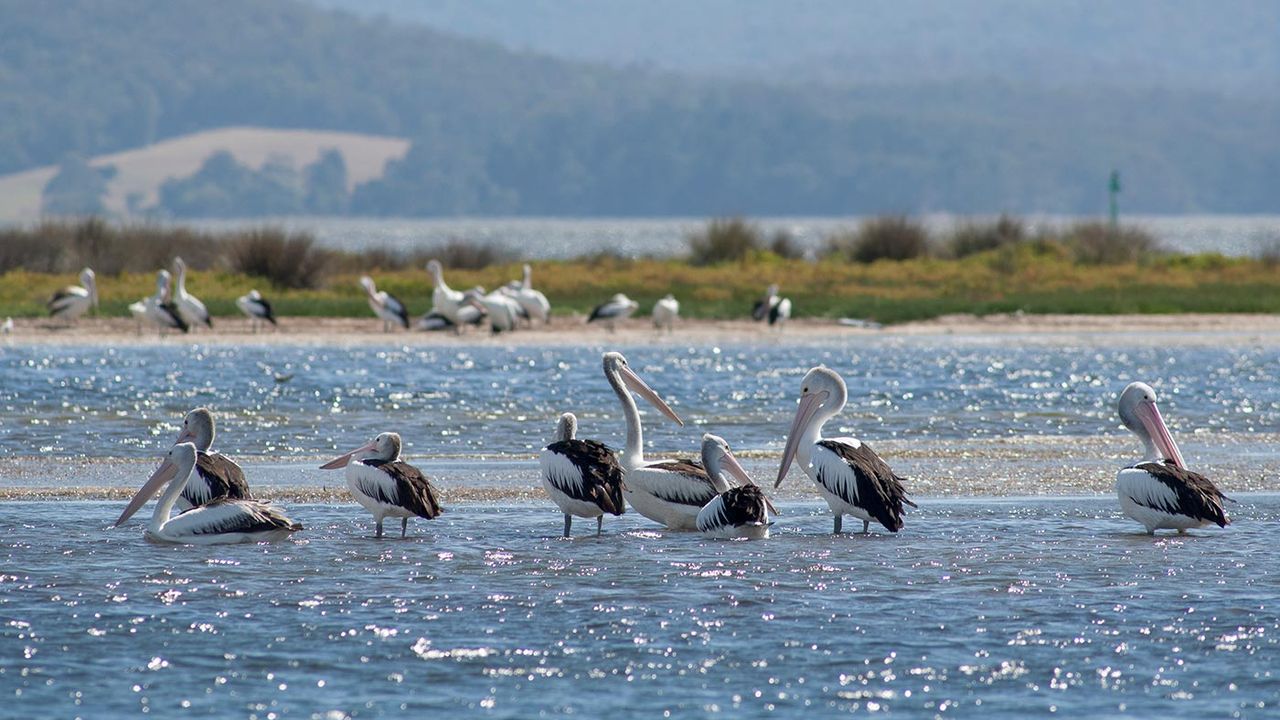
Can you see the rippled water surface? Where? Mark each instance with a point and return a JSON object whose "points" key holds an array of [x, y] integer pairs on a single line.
{"points": [[979, 608]]}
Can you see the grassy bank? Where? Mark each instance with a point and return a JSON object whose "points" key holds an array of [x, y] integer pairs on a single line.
{"points": [[1034, 275]]}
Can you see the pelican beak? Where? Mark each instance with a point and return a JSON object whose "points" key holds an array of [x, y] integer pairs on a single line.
{"points": [[185, 436], [638, 386], [163, 474], [342, 460], [735, 469], [1149, 415], [809, 404]]}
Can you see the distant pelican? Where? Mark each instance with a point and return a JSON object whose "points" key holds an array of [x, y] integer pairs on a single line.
{"points": [[73, 301], [534, 303], [583, 477], [220, 522], [445, 301], [503, 311], [1160, 492], [737, 512], [216, 476], [619, 307], [776, 309], [386, 485], [665, 312], [849, 475], [257, 308], [193, 311], [385, 305], [159, 308], [6, 328], [670, 492]]}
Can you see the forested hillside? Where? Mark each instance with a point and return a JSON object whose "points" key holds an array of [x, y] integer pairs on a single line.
{"points": [[501, 132]]}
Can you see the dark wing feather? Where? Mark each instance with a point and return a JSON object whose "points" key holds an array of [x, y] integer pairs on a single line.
{"points": [[223, 476], [601, 473], [598, 312], [59, 296], [175, 317], [773, 312], [705, 490], [402, 314], [1198, 497], [416, 494], [880, 491], [256, 517], [267, 313], [744, 505], [759, 309]]}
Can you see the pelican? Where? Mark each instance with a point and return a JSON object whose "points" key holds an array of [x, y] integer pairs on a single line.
{"points": [[7, 327], [534, 304], [670, 492], [737, 512], [73, 301], [216, 476], [221, 522], [189, 306], [1160, 492], [583, 477], [665, 312], [503, 311], [159, 308], [776, 309], [444, 300], [257, 308], [386, 485], [619, 307], [385, 305], [850, 476]]}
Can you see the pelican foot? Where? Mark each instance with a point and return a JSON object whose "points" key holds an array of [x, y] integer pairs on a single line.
{"points": [[568, 523], [599, 526], [839, 524], [404, 526]]}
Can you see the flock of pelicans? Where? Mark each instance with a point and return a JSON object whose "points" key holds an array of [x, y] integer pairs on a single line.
{"points": [[587, 479], [172, 307]]}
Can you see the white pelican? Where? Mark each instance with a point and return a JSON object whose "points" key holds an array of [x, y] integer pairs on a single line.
{"points": [[737, 512], [619, 307], [1160, 492], [534, 304], [220, 522], [670, 492], [850, 476], [385, 305], [73, 301], [216, 476], [257, 309], [583, 477], [158, 308], [776, 309], [665, 312], [386, 485], [445, 301], [189, 306], [503, 311], [7, 327]]}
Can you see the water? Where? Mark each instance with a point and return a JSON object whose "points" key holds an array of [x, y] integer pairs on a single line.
{"points": [[543, 238], [1002, 609]]}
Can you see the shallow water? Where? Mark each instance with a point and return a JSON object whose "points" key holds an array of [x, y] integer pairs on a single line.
{"points": [[1001, 608]]}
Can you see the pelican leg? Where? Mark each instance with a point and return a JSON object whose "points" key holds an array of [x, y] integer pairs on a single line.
{"points": [[378, 529], [404, 526], [568, 521], [599, 526], [866, 527], [839, 523]]}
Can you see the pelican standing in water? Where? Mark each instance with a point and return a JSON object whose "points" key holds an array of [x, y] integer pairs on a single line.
{"points": [[257, 309], [386, 485], [221, 522], [619, 307], [386, 306], [73, 301], [665, 312], [737, 512], [670, 492], [583, 477], [850, 476], [1160, 492], [216, 476], [189, 306]]}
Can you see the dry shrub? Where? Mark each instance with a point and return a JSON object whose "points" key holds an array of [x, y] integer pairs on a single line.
{"points": [[1097, 243], [1268, 251], [785, 246], [61, 246], [285, 259], [894, 237], [724, 241], [972, 238], [462, 254]]}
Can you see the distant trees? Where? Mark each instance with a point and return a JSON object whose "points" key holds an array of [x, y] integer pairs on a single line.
{"points": [[225, 187], [77, 189]]}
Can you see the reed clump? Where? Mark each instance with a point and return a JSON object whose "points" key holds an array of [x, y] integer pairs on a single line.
{"points": [[286, 260], [892, 237], [61, 246], [971, 238], [724, 240], [1098, 243]]}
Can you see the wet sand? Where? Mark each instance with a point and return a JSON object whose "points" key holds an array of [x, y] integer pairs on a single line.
{"points": [[1204, 328]]}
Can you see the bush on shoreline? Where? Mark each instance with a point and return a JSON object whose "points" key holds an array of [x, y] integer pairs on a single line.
{"points": [[894, 237]]}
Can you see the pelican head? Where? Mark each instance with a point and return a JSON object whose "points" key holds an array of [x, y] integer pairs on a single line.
{"points": [[164, 281], [90, 282], [772, 291], [822, 395], [366, 282], [1138, 412], [197, 427], [437, 271], [179, 267], [623, 378], [566, 427], [622, 299], [177, 464], [717, 458], [384, 447]]}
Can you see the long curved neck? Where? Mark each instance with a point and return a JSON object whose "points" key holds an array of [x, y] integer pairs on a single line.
{"points": [[812, 433], [440, 283], [633, 455], [711, 463], [182, 279], [165, 506], [528, 279], [1150, 452], [204, 439]]}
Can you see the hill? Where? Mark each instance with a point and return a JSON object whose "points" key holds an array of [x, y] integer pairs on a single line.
{"points": [[498, 131]]}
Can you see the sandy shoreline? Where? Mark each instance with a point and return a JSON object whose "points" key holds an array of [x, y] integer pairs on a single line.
{"points": [[1238, 328]]}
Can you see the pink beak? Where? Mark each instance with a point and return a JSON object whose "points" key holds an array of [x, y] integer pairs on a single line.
{"points": [[809, 404], [638, 386], [1149, 415], [185, 436], [163, 474], [343, 460]]}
